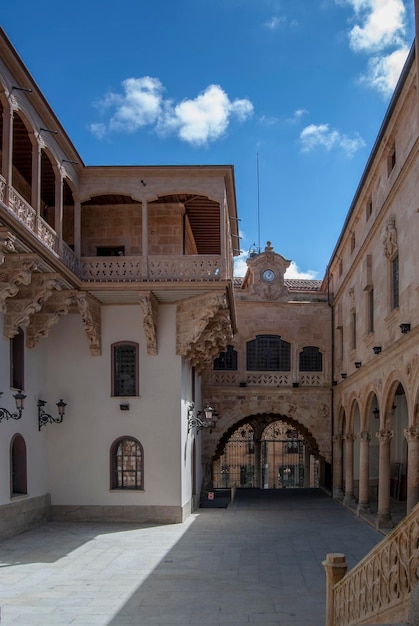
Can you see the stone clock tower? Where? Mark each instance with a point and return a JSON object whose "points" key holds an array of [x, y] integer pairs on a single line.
{"points": [[265, 276]]}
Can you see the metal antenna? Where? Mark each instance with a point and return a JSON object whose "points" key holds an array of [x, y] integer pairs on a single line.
{"points": [[257, 170]]}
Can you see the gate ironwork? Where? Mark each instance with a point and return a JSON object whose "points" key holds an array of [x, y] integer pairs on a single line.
{"points": [[275, 461]]}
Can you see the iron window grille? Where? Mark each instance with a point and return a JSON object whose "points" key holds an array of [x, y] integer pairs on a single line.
{"points": [[311, 359], [268, 353]]}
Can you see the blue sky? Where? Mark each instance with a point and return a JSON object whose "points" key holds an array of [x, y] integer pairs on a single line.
{"points": [[296, 89]]}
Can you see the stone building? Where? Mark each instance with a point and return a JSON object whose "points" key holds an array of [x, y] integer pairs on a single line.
{"points": [[118, 304]]}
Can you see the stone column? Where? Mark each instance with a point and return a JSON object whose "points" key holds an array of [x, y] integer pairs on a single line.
{"points": [[412, 438], [349, 469], [58, 223], [335, 566], [7, 147], [364, 472], [337, 467], [383, 515], [77, 228], [144, 227], [36, 174]]}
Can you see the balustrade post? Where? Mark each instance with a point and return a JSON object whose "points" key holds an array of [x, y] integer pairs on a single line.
{"points": [[412, 438], [335, 566], [364, 473], [383, 515], [349, 469], [337, 467]]}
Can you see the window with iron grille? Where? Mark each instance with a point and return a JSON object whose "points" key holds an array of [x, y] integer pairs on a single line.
{"points": [[311, 359], [18, 466], [125, 369], [268, 353], [127, 461], [226, 360]]}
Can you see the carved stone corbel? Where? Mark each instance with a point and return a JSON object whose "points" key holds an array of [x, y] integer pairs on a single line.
{"points": [[149, 306], [51, 312], [203, 328], [90, 312], [29, 301], [16, 271]]}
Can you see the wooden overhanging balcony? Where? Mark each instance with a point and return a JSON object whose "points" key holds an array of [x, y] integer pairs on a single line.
{"points": [[153, 268]]}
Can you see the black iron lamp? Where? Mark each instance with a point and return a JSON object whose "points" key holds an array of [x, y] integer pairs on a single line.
{"points": [[376, 413], [45, 418], [405, 328], [358, 364], [377, 349], [19, 399], [207, 421], [344, 375]]}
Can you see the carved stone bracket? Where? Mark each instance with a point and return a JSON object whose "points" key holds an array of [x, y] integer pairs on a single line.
{"points": [[29, 301], [203, 328], [149, 306], [17, 270], [57, 306], [90, 312], [411, 434]]}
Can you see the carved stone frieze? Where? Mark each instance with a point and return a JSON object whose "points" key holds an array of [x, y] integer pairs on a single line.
{"points": [[90, 312], [203, 328], [149, 306], [51, 312], [29, 301]]}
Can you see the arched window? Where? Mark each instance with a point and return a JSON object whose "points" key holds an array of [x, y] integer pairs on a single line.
{"points": [[125, 369], [127, 464], [226, 360], [311, 359], [268, 353], [18, 466]]}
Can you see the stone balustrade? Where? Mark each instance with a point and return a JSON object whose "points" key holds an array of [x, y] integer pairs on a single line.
{"points": [[379, 587], [263, 379]]}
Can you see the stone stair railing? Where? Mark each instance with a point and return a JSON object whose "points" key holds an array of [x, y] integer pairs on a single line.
{"points": [[378, 589]]}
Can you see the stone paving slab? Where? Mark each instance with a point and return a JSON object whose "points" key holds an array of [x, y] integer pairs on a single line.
{"points": [[257, 563]]}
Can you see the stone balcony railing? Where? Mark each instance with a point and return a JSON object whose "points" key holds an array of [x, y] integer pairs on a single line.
{"points": [[112, 269], [264, 379], [378, 589]]}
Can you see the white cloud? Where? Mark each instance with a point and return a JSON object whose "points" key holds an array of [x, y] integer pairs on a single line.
{"points": [[381, 23], [383, 72], [274, 22], [314, 135], [196, 121], [297, 115], [293, 271]]}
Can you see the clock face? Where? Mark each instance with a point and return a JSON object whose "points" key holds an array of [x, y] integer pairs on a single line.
{"points": [[268, 276]]}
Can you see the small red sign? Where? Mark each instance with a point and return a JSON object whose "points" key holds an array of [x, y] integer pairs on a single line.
{"points": [[210, 495]]}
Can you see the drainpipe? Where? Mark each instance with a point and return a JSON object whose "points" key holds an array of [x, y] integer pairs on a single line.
{"points": [[332, 365]]}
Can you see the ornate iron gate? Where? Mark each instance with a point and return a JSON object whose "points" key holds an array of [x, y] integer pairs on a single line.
{"points": [[276, 461]]}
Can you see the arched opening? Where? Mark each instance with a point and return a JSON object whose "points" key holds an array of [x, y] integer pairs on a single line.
{"points": [[21, 159], [18, 471], [127, 464], [266, 452], [398, 451]]}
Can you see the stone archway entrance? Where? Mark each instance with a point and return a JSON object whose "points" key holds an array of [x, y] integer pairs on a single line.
{"points": [[266, 452]]}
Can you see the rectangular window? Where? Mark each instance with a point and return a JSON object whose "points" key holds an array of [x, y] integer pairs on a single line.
{"points": [[268, 353], [371, 310], [391, 160], [17, 360], [395, 282], [353, 330], [368, 209], [125, 369]]}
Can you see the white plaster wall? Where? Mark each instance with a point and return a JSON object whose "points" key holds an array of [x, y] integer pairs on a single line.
{"points": [[188, 438], [27, 426], [79, 448]]}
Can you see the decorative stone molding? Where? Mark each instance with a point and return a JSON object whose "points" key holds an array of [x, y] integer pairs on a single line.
{"points": [[6, 243], [365, 436], [17, 271], [384, 436], [275, 288], [51, 312], [29, 301], [390, 238], [203, 328], [90, 312], [411, 433], [149, 306]]}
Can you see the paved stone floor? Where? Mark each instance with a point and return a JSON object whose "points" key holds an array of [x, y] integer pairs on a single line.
{"points": [[258, 562]]}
